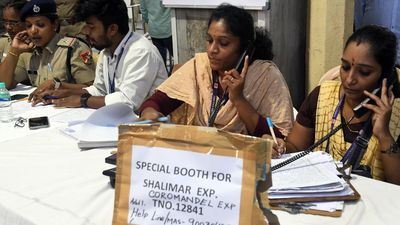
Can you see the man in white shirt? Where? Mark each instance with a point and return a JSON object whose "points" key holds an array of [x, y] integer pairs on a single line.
{"points": [[129, 67]]}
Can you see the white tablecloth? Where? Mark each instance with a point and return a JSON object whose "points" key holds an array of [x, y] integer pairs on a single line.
{"points": [[379, 204], [47, 180]]}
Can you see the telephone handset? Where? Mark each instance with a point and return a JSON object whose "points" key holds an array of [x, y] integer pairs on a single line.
{"points": [[359, 110], [239, 66], [248, 51]]}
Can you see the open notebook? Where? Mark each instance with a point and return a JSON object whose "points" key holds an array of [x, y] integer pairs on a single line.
{"points": [[101, 128]]}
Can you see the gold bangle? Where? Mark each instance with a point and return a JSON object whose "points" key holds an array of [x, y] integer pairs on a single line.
{"points": [[12, 53]]}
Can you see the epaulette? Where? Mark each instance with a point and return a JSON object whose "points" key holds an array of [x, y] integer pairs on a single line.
{"points": [[69, 42]]}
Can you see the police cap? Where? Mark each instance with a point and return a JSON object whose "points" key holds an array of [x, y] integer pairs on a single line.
{"points": [[38, 8]]}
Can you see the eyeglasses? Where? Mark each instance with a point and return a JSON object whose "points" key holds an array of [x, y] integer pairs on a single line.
{"points": [[11, 23], [20, 122]]}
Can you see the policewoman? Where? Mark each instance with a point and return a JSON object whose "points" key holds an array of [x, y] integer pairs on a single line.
{"points": [[12, 24], [56, 60]]}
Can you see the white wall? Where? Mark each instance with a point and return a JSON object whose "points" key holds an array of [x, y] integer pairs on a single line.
{"points": [[248, 4]]}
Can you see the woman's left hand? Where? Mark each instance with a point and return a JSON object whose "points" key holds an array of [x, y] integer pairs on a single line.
{"points": [[235, 81], [381, 111]]}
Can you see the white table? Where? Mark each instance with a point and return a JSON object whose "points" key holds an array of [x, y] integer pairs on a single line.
{"points": [[46, 180], [379, 204]]}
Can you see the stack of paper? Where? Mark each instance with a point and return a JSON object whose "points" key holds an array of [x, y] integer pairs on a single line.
{"points": [[311, 177], [101, 128]]}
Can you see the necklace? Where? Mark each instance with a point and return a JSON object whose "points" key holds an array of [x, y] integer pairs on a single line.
{"points": [[351, 130]]}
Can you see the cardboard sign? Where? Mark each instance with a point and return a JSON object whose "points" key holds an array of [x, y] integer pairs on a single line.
{"points": [[172, 174], [198, 188]]}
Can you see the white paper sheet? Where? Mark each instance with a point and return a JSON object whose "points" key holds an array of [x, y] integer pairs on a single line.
{"points": [[101, 127], [79, 115], [192, 191], [315, 169], [328, 206], [314, 175], [22, 89]]}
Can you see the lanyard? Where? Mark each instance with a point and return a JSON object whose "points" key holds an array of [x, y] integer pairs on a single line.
{"points": [[353, 146], [216, 104], [214, 93], [111, 80], [334, 117]]}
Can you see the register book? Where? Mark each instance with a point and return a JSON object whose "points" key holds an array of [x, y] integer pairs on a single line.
{"points": [[310, 178]]}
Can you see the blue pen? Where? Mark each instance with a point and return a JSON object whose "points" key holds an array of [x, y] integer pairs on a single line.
{"points": [[271, 129], [48, 97]]}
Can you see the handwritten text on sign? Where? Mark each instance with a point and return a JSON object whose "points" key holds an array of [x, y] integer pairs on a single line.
{"points": [[178, 187]]}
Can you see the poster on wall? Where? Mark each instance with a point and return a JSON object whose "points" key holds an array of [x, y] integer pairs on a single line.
{"points": [[247, 4]]}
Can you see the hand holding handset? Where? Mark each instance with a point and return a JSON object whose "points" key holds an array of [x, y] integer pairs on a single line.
{"points": [[249, 51], [360, 110]]}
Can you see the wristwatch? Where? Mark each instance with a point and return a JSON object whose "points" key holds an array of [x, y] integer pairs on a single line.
{"points": [[57, 83], [84, 99], [394, 148]]}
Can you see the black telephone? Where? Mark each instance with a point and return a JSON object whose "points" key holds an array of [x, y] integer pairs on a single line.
{"points": [[359, 110], [248, 51]]}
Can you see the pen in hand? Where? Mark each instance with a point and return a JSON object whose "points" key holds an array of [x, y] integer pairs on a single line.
{"points": [[271, 129], [279, 149], [48, 97]]}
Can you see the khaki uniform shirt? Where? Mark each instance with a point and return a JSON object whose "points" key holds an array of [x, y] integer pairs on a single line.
{"points": [[5, 43], [65, 8], [51, 61], [65, 12]]}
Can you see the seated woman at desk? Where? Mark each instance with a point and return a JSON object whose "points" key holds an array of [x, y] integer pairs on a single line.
{"points": [[368, 62], [12, 24], [54, 59], [191, 95]]}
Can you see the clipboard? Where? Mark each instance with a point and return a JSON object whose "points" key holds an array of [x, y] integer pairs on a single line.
{"points": [[275, 203], [354, 197], [337, 213]]}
